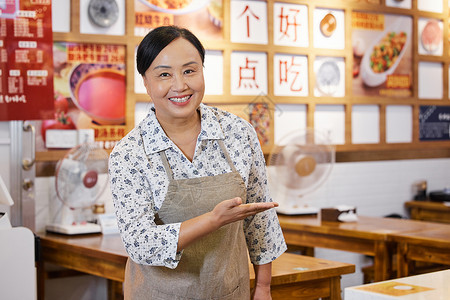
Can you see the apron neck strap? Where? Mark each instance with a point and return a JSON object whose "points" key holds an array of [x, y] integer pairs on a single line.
{"points": [[227, 156], [166, 165], [169, 172]]}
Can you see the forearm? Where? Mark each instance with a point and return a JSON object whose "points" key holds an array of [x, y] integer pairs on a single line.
{"points": [[263, 274], [194, 229], [263, 277]]}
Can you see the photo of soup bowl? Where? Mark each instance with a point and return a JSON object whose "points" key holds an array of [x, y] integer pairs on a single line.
{"points": [[384, 54], [99, 91]]}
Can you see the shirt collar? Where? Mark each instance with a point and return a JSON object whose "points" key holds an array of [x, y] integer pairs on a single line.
{"points": [[156, 140]]}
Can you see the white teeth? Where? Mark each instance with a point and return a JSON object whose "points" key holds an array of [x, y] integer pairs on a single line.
{"points": [[180, 100]]}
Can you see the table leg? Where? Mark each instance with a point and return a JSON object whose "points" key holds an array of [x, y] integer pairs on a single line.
{"points": [[40, 278], [115, 291], [382, 261], [335, 288]]}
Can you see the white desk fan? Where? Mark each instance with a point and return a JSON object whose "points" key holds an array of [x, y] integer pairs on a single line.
{"points": [[298, 165], [78, 187]]}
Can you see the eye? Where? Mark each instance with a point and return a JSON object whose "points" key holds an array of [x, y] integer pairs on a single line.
{"points": [[189, 71], [165, 74]]}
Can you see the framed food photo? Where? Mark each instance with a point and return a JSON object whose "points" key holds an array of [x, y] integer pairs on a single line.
{"points": [[89, 95], [203, 17], [382, 55]]}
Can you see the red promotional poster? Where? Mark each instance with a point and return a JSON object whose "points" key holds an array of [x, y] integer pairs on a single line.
{"points": [[26, 64]]}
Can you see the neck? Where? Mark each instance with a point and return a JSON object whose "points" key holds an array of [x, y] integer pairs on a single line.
{"points": [[180, 127], [183, 132]]}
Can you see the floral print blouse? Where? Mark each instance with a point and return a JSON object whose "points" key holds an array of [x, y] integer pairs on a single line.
{"points": [[139, 184]]}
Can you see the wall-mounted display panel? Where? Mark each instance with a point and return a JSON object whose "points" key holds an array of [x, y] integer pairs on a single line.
{"points": [[102, 17], [249, 22], [290, 25], [431, 84], [329, 28], [248, 73], [330, 121], [399, 128], [288, 118], [290, 75], [365, 124], [382, 50]]}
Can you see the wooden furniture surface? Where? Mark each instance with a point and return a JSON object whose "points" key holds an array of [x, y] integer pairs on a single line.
{"points": [[293, 276], [430, 246], [369, 236], [432, 285], [429, 211]]}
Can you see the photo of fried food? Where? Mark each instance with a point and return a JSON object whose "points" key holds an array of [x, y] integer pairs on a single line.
{"points": [[387, 51], [170, 4]]}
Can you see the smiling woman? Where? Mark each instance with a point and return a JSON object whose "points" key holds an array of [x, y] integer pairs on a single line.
{"points": [[189, 186]]}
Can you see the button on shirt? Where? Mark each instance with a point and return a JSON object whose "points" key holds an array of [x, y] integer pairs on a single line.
{"points": [[139, 184]]}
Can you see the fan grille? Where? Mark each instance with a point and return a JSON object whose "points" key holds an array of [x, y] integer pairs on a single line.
{"points": [[77, 175], [301, 162]]}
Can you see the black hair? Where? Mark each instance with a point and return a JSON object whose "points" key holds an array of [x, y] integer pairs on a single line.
{"points": [[157, 39]]}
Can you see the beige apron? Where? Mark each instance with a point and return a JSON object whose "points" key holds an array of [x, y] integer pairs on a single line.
{"points": [[214, 267]]}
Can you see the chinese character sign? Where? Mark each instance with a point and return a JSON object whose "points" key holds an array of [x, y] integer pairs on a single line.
{"points": [[26, 67], [249, 22], [248, 73], [290, 75], [290, 25]]}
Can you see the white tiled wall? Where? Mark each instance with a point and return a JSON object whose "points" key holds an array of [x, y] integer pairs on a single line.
{"points": [[375, 188]]}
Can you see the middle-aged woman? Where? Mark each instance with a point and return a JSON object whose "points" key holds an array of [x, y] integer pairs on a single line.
{"points": [[189, 186]]}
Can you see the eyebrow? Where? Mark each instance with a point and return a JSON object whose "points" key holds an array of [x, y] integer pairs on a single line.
{"points": [[168, 67]]}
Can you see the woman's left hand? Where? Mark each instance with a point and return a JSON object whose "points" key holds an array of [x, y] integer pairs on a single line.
{"points": [[261, 293]]}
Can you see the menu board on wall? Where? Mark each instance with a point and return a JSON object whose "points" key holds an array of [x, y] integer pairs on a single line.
{"points": [[434, 123], [203, 17], [26, 66], [90, 91], [382, 51]]}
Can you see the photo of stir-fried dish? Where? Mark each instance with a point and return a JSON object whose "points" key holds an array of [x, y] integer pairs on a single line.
{"points": [[170, 4], [387, 51]]}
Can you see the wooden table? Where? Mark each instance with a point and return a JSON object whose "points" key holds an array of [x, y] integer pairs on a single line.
{"points": [[293, 276], [430, 246], [369, 236], [429, 211]]}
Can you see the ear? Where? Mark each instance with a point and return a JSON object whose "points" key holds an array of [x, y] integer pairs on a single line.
{"points": [[145, 84]]}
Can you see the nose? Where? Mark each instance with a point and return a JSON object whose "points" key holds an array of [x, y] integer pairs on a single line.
{"points": [[179, 83]]}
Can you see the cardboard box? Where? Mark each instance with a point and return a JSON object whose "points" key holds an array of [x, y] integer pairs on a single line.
{"points": [[338, 214]]}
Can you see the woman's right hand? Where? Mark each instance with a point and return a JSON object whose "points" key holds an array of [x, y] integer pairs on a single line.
{"points": [[232, 210], [227, 211]]}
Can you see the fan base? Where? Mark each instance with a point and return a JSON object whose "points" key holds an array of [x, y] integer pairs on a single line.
{"points": [[74, 229], [296, 210]]}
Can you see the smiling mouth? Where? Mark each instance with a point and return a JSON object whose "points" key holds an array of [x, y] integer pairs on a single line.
{"points": [[180, 99]]}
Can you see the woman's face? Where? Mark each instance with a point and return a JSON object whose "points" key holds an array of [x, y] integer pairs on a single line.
{"points": [[175, 81]]}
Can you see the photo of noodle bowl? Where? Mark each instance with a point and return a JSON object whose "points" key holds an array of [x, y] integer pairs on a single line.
{"points": [[175, 7], [382, 57]]}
